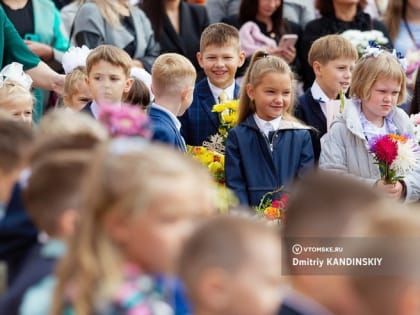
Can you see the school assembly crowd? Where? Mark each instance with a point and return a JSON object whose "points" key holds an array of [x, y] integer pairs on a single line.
{"points": [[170, 157]]}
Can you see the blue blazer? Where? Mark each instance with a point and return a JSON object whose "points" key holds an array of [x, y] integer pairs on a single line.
{"points": [[199, 122], [164, 129], [287, 310], [309, 111], [87, 109], [252, 169], [17, 234]]}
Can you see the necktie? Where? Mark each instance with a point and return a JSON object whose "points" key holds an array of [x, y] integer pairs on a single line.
{"points": [[268, 128], [223, 97]]}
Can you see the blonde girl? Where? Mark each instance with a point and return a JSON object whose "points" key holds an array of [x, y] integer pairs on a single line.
{"points": [[76, 92], [17, 100], [378, 85], [269, 147], [139, 207]]}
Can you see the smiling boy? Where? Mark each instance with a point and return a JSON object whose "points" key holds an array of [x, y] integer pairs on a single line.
{"points": [[219, 56]]}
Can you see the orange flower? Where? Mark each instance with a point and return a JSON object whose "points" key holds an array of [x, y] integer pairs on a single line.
{"points": [[397, 138], [272, 213]]}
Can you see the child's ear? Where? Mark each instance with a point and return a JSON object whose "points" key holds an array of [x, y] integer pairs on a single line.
{"points": [[316, 66], [250, 91], [87, 80], [200, 59], [214, 288], [115, 226], [67, 222], [128, 84], [242, 57], [66, 99]]}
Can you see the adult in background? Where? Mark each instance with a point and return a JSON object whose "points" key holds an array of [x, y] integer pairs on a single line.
{"points": [[177, 26], [337, 16], [219, 9], [116, 22]]}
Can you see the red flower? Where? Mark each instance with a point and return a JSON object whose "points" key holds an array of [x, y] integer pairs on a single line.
{"points": [[385, 149]]}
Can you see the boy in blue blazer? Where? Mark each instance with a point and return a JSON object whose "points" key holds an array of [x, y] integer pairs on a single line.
{"points": [[333, 58], [219, 56], [173, 78]]}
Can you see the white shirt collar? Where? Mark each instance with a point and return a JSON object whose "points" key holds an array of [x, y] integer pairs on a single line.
{"points": [[230, 90], [95, 108], [319, 96], [261, 123], [170, 114]]}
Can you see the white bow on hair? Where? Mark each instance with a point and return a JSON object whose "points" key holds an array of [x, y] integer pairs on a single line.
{"points": [[75, 57], [14, 72]]}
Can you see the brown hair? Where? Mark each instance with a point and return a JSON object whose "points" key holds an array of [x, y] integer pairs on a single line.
{"points": [[54, 187], [326, 7], [331, 47], [219, 34], [261, 64], [222, 242], [170, 73], [138, 94], [111, 54], [15, 141], [394, 14], [370, 69]]}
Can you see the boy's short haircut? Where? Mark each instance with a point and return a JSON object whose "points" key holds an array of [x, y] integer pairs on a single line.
{"points": [[111, 54], [170, 73], [219, 34], [54, 186], [15, 141], [223, 242], [331, 47]]}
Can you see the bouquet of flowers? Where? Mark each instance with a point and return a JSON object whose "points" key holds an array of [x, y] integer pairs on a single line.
{"points": [[228, 116], [361, 39], [271, 209], [396, 155], [212, 159], [125, 120], [415, 119]]}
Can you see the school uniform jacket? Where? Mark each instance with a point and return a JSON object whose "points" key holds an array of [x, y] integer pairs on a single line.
{"points": [[193, 19], [164, 129], [309, 111], [199, 122], [253, 169]]}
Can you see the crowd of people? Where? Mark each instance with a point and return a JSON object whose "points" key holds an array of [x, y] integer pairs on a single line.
{"points": [[105, 211]]}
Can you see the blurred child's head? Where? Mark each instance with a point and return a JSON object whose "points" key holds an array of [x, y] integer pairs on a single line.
{"points": [[108, 74], [76, 91], [15, 141], [138, 95], [333, 206], [220, 54], [63, 122], [53, 193], [379, 81], [393, 288], [18, 100], [267, 88], [143, 200], [173, 80], [232, 266], [332, 58]]}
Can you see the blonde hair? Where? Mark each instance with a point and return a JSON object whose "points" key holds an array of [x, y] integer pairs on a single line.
{"points": [[111, 54], [62, 121], [112, 10], [72, 80], [170, 73], [219, 34], [394, 14], [11, 90], [93, 262], [370, 69], [331, 47], [260, 65]]}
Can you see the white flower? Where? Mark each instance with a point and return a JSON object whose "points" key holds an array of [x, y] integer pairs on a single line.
{"points": [[407, 157], [74, 57], [14, 72]]}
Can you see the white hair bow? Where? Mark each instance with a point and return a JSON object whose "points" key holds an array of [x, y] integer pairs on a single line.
{"points": [[14, 72]]}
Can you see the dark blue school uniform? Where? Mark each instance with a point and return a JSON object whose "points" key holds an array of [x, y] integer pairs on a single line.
{"points": [[252, 168], [198, 122]]}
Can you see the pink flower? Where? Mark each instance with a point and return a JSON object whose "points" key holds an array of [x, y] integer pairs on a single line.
{"points": [[125, 120], [385, 149]]}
